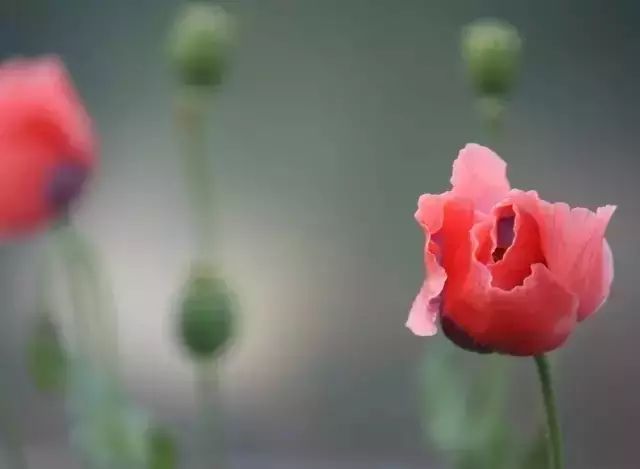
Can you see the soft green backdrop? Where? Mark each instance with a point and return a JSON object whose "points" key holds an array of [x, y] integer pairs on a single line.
{"points": [[336, 116]]}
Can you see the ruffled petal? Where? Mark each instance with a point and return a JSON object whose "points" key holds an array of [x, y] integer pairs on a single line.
{"points": [[577, 253], [480, 174], [424, 311], [532, 318], [47, 146], [445, 220], [38, 102], [513, 265], [24, 171]]}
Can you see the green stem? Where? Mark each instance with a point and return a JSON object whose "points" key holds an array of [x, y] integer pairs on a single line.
{"points": [[190, 115], [555, 437], [69, 252], [14, 447], [197, 167], [44, 278], [89, 299], [102, 300], [491, 110], [211, 450]]}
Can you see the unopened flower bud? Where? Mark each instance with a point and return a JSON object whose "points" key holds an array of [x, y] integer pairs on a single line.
{"points": [[491, 49], [47, 361], [200, 42], [207, 315]]}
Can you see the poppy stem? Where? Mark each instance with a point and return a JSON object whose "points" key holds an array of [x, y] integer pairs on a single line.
{"points": [[211, 452], [191, 113], [88, 296], [11, 432], [65, 240], [555, 436], [103, 300], [492, 112]]}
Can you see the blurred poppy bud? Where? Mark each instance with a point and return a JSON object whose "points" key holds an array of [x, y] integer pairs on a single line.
{"points": [[491, 49], [199, 43], [47, 361], [207, 314]]}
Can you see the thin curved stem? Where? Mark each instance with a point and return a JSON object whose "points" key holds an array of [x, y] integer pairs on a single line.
{"points": [[79, 307], [89, 298], [102, 299], [555, 436], [191, 113]]}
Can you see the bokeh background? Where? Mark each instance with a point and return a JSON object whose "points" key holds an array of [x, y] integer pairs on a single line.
{"points": [[336, 115]]}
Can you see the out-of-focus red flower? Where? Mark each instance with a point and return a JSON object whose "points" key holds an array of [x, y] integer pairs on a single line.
{"points": [[47, 147], [507, 271]]}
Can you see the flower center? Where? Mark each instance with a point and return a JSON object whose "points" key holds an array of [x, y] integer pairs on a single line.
{"points": [[65, 184], [504, 236]]}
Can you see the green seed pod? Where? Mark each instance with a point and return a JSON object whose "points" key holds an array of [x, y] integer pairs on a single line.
{"points": [[47, 360], [207, 315], [199, 43], [491, 49]]}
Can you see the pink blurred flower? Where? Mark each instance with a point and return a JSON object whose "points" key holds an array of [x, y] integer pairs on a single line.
{"points": [[47, 147], [507, 271]]}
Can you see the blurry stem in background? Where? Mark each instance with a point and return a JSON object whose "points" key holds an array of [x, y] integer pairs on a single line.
{"points": [[102, 300], [491, 110], [89, 300], [69, 252], [211, 443], [555, 437], [11, 432], [43, 279], [190, 116]]}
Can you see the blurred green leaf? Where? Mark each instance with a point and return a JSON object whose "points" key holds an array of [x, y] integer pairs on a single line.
{"points": [[500, 450], [162, 449], [537, 454], [46, 357], [444, 391], [493, 444], [465, 415], [490, 442], [106, 428]]}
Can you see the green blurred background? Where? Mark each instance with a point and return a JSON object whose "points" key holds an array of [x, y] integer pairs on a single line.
{"points": [[336, 115]]}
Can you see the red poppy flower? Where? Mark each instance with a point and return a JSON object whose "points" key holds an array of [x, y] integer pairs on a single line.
{"points": [[47, 147], [507, 271]]}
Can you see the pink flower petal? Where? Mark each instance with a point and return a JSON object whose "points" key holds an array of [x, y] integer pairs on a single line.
{"points": [[423, 315], [525, 250], [577, 253], [44, 133], [24, 170], [38, 101], [573, 246], [480, 175], [530, 319], [445, 218]]}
